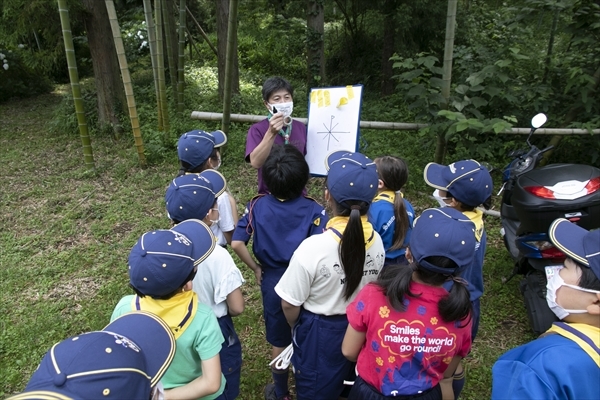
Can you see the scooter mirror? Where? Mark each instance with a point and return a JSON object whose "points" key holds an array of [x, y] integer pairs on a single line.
{"points": [[538, 120]]}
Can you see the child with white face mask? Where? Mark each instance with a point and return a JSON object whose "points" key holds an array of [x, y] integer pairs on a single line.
{"points": [[564, 363], [218, 281], [277, 128]]}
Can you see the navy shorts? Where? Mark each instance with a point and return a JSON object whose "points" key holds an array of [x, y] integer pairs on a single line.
{"points": [[319, 365], [361, 390], [279, 333], [231, 359], [476, 316]]}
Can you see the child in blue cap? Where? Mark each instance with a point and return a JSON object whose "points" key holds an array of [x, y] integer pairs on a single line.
{"points": [[278, 222], [465, 185], [564, 363], [408, 332], [162, 265], [125, 360], [325, 274], [198, 151], [218, 282]]}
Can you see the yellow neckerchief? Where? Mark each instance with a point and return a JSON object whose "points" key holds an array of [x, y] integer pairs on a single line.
{"points": [[337, 226], [586, 336], [178, 311], [476, 216], [387, 195]]}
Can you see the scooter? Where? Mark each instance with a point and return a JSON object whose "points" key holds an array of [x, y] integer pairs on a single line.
{"points": [[532, 198]]}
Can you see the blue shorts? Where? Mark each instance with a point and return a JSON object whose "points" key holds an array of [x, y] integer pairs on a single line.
{"points": [[231, 358], [361, 390], [279, 333], [319, 365]]}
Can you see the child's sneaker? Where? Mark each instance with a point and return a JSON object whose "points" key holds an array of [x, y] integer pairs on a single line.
{"points": [[271, 395]]}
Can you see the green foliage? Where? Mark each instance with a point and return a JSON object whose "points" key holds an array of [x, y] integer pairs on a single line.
{"points": [[17, 79]]}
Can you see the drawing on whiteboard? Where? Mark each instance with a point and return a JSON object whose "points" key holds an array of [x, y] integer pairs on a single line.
{"points": [[333, 124], [329, 132]]}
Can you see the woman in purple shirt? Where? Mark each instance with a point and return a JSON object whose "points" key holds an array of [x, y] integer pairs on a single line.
{"points": [[278, 127]]}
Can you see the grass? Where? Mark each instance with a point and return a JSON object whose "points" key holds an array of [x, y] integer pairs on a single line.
{"points": [[67, 232]]}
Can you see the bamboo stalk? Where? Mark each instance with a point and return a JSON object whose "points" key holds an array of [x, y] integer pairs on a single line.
{"points": [[152, 42], [202, 32], [231, 49], [166, 18], [160, 68], [392, 126], [133, 116], [180, 76], [65, 23]]}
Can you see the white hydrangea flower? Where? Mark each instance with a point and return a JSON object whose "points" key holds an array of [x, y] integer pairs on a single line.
{"points": [[5, 66], [21, 46], [2, 56]]}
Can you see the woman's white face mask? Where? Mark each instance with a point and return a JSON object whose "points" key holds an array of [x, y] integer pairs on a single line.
{"points": [[555, 281]]}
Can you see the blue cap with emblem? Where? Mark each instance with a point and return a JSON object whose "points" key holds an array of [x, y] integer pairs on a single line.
{"points": [[467, 180], [351, 177], [162, 260], [195, 147], [443, 232], [191, 196], [577, 243], [125, 360]]}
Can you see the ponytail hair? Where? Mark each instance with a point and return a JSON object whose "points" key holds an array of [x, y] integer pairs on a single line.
{"points": [[393, 172], [395, 281], [352, 250]]}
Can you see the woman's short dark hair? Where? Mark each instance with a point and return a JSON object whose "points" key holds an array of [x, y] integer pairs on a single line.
{"points": [[274, 84]]}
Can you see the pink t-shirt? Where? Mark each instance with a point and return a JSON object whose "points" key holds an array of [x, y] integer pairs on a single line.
{"points": [[407, 352], [256, 134]]}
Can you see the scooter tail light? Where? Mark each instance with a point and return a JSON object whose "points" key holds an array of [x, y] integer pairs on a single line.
{"points": [[547, 249], [593, 185], [540, 191]]}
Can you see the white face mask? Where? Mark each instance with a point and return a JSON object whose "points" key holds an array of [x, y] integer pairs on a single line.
{"points": [[286, 109], [440, 199], [555, 281]]}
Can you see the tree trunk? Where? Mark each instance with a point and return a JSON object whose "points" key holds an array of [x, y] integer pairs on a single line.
{"points": [[160, 68], [170, 42], [387, 51], [222, 26], [109, 91], [180, 77], [152, 43], [315, 44], [88, 157], [133, 116], [231, 53], [440, 148]]}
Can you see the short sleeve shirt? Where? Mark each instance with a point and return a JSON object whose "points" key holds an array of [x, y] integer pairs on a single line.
{"points": [[405, 352], [381, 215], [201, 341], [257, 132], [225, 223]]}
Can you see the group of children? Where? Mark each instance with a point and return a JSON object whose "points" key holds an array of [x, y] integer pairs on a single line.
{"points": [[374, 301]]}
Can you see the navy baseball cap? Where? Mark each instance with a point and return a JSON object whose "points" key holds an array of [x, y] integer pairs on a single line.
{"points": [[351, 176], [443, 232], [161, 260], [191, 196], [467, 180], [194, 147], [581, 245], [124, 360]]}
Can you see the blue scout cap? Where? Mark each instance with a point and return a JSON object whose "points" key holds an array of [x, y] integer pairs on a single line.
{"points": [[467, 180], [577, 243], [443, 232], [124, 360], [195, 147], [191, 196], [162, 259], [351, 176]]}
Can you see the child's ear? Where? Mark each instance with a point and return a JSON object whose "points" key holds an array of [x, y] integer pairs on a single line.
{"points": [[594, 308], [409, 256], [380, 184]]}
